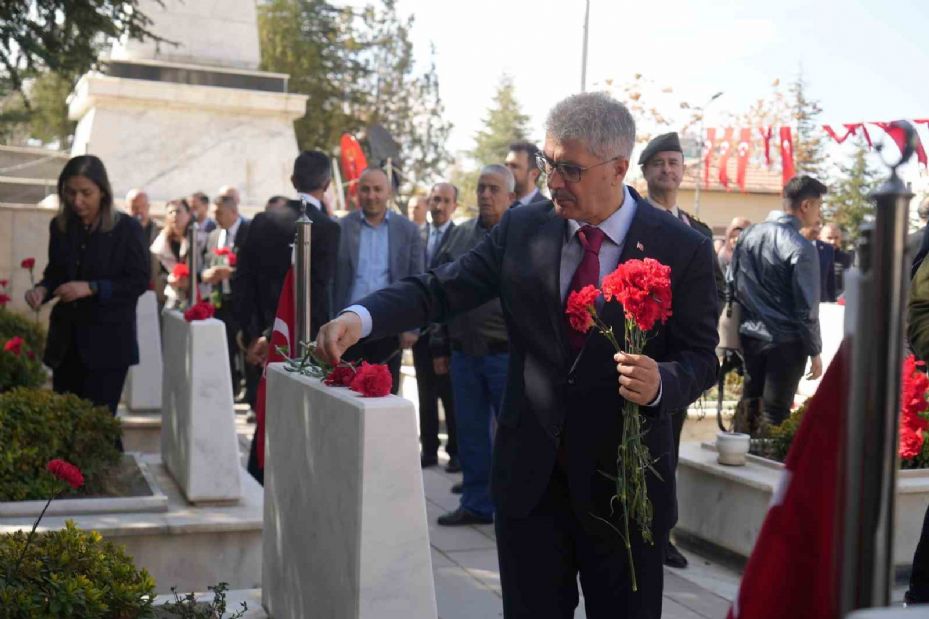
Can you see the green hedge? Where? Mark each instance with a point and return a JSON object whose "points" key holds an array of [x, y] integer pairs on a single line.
{"points": [[71, 573], [13, 324], [22, 369], [37, 425]]}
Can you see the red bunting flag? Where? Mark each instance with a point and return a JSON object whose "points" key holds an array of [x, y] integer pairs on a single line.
{"points": [[849, 130], [745, 148], [897, 134], [725, 147], [787, 155], [766, 135], [793, 564], [708, 155], [282, 336]]}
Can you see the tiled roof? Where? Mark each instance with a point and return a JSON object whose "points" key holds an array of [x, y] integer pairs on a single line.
{"points": [[758, 179]]}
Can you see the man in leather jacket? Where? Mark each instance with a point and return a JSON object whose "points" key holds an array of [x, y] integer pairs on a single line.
{"points": [[775, 273]]}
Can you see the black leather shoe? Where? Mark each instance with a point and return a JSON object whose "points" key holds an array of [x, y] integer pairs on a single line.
{"points": [[461, 517], [426, 461], [453, 466], [673, 557], [458, 488]]}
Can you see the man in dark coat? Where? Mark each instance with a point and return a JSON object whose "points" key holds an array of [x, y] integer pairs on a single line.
{"points": [[560, 423]]}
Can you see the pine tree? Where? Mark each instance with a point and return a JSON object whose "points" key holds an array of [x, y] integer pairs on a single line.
{"points": [[504, 124], [847, 203], [809, 145]]}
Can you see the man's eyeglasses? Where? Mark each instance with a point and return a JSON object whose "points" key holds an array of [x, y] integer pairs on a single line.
{"points": [[570, 172]]}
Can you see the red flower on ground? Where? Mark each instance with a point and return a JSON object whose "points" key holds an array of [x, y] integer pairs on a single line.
{"points": [[66, 472], [372, 381], [643, 287], [180, 270], [341, 375], [4, 299], [14, 345], [580, 308], [200, 311], [27, 263]]}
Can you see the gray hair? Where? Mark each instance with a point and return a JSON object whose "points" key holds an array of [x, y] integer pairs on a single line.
{"points": [[596, 119], [501, 170]]}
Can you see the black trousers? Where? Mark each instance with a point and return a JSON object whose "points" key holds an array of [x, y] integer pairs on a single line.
{"points": [[919, 577], [773, 375], [432, 388], [224, 313], [541, 556], [103, 387], [385, 350]]}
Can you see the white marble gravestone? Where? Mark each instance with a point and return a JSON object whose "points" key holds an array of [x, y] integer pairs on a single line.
{"points": [[143, 384], [345, 532], [192, 112], [198, 439]]}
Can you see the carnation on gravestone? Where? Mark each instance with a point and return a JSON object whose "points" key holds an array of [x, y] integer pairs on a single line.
{"points": [[372, 381], [200, 311], [341, 375]]}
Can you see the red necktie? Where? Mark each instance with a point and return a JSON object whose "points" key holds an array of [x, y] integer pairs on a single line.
{"points": [[587, 273]]}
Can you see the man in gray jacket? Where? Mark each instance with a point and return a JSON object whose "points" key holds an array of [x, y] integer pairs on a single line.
{"points": [[775, 273]]}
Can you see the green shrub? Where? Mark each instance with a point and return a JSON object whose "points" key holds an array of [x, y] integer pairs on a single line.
{"points": [[71, 573], [37, 425], [13, 324], [20, 369], [775, 443]]}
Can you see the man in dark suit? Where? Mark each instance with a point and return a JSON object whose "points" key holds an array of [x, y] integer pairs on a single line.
{"points": [[139, 207], [230, 234], [266, 256], [826, 254], [432, 378], [521, 162], [376, 249], [560, 423], [662, 164]]}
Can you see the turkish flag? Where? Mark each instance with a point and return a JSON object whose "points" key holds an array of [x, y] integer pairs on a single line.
{"points": [[726, 148], [787, 155], [708, 155], [898, 135], [745, 149], [281, 337], [766, 135], [850, 129], [793, 569]]}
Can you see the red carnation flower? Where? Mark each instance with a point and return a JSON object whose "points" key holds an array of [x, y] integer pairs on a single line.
{"points": [[580, 308], [180, 270], [4, 299], [911, 443], [643, 287], [14, 345], [222, 251], [66, 472], [4, 283], [341, 375], [231, 259], [27, 263], [372, 381], [200, 311]]}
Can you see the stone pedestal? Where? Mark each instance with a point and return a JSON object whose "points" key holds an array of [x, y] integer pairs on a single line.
{"points": [[832, 329], [192, 114], [345, 516], [198, 439], [143, 384]]}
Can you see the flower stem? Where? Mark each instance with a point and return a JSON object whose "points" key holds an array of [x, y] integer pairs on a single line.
{"points": [[35, 525]]}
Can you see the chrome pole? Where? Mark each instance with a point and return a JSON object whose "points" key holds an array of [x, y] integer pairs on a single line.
{"points": [[302, 281], [193, 261], [866, 577]]}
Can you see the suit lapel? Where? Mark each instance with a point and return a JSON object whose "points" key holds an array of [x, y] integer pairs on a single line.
{"points": [[547, 256]]}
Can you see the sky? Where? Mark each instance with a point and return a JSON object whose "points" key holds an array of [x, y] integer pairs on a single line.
{"points": [[862, 59]]}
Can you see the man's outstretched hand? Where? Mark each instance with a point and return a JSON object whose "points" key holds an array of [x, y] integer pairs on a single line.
{"points": [[336, 336]]}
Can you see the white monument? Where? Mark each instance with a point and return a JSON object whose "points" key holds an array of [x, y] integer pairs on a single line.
{"points": [[193, 114], [143, 384]]}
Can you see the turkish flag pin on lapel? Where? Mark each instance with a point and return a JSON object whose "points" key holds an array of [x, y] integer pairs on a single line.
{"points": [[640, 247]]}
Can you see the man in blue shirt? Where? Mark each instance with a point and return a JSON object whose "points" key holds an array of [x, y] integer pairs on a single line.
{"points": [[376, 249]]}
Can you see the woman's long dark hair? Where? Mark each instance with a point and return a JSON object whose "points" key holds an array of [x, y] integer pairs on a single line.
{"points": [[90, 167]]}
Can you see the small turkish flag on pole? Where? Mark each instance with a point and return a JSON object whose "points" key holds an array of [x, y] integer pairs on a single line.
{"points": [[745, 149]]}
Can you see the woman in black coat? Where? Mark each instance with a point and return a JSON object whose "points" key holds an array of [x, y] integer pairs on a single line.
{"points": [[98, 266]]}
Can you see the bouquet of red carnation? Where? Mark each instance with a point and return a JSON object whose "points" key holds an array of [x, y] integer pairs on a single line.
{"points": [[371, 380], [914, 419], [199, 311], [228, 254], [643, 288], [180, 270]]}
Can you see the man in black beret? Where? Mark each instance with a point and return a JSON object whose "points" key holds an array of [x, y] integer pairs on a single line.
{"points": [[662, 164]]}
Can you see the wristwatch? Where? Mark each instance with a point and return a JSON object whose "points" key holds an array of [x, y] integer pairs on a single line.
{"points": [[93, 288]]}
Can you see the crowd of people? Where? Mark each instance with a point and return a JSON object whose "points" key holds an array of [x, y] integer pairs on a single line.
{"points": [[530, 407]]}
